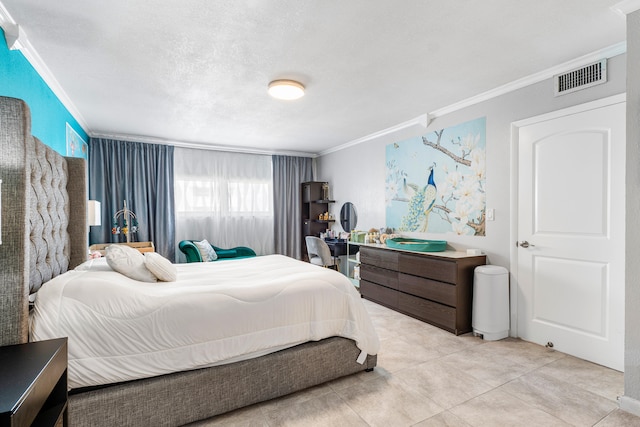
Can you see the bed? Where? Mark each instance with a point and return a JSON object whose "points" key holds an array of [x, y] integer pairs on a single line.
{"points": [[44, 242]]}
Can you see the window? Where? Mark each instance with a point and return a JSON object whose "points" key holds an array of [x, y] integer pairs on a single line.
{"points": [[250, 197], [226, 198], [239, 197], [196, 196]]}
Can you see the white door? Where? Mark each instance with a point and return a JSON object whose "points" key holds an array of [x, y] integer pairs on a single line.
{"points": [[571, 213]]}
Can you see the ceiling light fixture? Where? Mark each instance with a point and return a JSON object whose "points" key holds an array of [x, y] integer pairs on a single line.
{"points": [[286, 89]]}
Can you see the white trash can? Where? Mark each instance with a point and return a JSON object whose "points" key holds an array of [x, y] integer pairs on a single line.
{"points": [[490, 315]]}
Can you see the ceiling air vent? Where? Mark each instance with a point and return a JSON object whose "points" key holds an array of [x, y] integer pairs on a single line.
{"points": [[581, 78]]}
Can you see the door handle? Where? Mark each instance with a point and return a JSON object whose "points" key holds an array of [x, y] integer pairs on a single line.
{"points": [[524, 244]]}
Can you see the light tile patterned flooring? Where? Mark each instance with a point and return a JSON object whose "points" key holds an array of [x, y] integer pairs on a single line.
{"points": [[427, 377]]}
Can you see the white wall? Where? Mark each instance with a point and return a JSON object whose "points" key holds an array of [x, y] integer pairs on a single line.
{"points": [[631, 401], [356, 174]]}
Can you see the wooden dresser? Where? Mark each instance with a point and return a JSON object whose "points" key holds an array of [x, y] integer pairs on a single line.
{"points": [[435, 287]]}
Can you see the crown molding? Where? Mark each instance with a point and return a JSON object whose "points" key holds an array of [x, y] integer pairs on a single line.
{"points": [[608, 52], [418, 121], [426, 119], [626, 7], [17, 40], [197, 145], [14, 36]]}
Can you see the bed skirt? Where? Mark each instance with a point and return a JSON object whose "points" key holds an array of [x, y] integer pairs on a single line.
{"points": [[184, 397]]}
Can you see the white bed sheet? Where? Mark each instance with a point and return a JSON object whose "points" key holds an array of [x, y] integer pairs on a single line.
{"points": [[215, 313]]}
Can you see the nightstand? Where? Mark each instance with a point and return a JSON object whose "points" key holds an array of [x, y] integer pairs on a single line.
{"points": [[140, 246], [33, 383]]}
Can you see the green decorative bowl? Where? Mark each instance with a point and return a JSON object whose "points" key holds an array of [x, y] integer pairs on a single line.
{"points": [[417, 245]]}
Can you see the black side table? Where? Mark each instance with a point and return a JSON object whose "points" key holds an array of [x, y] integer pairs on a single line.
{"points": [[33, 383]]}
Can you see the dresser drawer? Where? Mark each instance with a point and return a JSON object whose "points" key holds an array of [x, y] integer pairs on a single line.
{"points": [[431, 312], [379, 276], [441, 292], [379, 257], [430, 268], [380, 294]]}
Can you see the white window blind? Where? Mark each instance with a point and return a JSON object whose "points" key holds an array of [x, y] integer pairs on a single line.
{"points": [[226, 198]]}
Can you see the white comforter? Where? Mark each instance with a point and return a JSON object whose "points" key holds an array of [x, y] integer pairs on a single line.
{"points": [[218, 312]]}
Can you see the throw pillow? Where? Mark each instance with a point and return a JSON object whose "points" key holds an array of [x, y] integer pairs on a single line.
{"points": [[129, 262], [160, 267], [206, 251]]}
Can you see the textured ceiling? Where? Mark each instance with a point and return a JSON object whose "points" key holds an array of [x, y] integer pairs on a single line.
{"points": [[197, 71]]}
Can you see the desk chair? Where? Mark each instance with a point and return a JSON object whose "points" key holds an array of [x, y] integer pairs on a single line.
{"points": [[319, 253]]}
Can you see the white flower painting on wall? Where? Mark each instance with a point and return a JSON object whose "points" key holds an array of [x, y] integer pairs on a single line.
{"points": [[436, 183]]}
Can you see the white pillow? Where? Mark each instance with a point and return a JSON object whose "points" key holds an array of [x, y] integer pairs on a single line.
{"points": [[128, 261], [160, 267], [206, 251]]}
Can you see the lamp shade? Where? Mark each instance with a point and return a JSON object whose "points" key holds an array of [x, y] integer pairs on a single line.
{"points": [[286, 89], [93, 213]]}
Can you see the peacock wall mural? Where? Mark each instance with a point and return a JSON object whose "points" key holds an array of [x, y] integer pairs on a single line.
{"points": [[436, 183]]}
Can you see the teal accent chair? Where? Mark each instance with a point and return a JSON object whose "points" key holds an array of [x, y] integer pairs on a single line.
{"points": [[193, 254]]}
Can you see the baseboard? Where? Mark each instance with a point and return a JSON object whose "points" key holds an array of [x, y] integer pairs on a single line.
{"points": [[630, 405]]}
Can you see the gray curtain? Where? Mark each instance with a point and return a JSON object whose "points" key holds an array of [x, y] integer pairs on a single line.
{"points": [[141, 174], [288, 173]]}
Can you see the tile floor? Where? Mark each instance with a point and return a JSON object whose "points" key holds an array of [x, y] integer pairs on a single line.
{"points": [[427, 377]]}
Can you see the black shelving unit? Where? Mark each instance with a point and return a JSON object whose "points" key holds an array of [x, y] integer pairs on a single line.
{"points": [[314, 204]]}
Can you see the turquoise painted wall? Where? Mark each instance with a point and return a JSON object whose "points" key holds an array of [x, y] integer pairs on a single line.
{"points": [[49, 116]]}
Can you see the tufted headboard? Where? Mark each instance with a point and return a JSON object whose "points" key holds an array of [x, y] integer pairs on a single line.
{"points": [[44, 214]]}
